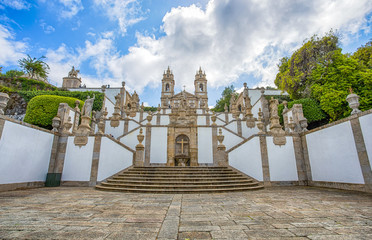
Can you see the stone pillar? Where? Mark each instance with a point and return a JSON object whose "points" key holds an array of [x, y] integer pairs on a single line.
{"points": [[300, 160], [139, 159], [148, 144], [362, 152], [226, 117], [265, 108], [208, 120], [57, 160], [158, 118], [95, 160], [2, 123], [126, 125], [221, 155], [239, 126], [265, 161]]}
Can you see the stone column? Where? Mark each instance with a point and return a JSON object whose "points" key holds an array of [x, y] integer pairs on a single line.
{"points": [[239, 126], [362, 152], [126, 125], [95, 160], [221, 155], [300, 160], [148, 144], [265, 161]]}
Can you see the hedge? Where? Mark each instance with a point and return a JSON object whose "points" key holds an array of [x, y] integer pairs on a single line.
{"points": [[42, 109], [5, 89], [26, 84], [97, 105], [311, 108]]}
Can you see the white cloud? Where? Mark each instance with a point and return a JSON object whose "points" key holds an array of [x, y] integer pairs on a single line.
{"points": [[70, 8], [15, 4], [10, 51], [231, 38], [125, 12], [46, 28]]}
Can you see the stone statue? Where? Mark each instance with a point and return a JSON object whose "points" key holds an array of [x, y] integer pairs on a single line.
{"points": [[73, 73], [88, 106]]}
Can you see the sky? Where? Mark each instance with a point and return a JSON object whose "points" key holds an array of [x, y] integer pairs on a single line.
{"points": [[233, 41]]}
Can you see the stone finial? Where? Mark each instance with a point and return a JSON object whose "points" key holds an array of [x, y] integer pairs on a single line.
{"points": [[221, 156], [140, 138], [260, 123], [214, 118], [4, 98], [123, 84], [66, 126], [220, 137], [353, 101], [149, 118], [226, 108], [77, 103], [275, 127], [115, 119], [101, 126], [56, 122], [103, 88]]}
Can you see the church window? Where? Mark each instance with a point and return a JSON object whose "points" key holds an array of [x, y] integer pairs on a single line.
{"points": [[167, 87], [201, 87]]}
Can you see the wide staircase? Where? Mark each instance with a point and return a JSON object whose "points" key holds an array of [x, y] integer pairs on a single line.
{"points": [[179, 180]]}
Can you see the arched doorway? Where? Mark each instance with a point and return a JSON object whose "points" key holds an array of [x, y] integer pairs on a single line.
{"points": [[182, 150]]}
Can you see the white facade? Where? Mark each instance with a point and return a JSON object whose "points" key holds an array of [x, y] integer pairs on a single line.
{"points": [[158, 148], [366, 126], [205, 146]]}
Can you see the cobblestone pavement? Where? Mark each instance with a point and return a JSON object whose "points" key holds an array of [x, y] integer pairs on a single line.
{"points": [[272, 213]]}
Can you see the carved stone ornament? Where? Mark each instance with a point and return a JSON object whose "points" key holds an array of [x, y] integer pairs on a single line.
{"points": [[214, 118], [66, 127], [56, 122], [149, 119], [220, 137], [115, 119], [140, 138], [260, 123], [81, 135], [101, 126], [4, 98], [275, 127], [353, 101]]}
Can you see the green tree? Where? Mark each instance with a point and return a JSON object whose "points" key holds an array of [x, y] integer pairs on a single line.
{"points": [[1, 70], [13, 73], [34, 66], [364, 54], [294, 72], [332, 79], [225, 99]]}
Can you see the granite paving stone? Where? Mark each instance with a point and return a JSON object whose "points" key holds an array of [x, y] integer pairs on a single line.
{"points": [[271, 213]]}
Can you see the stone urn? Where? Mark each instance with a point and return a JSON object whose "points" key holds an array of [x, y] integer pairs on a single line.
{"points": [[4, 98], [353, 101], [149, 119], [56, 122], [220, 137], [214, 118], [140, 137]]}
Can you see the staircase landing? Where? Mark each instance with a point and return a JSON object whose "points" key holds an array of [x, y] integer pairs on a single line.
{"points": [[179, 180]]}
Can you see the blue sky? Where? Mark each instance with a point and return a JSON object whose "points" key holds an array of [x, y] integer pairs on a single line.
{"points": [[234, 41]]}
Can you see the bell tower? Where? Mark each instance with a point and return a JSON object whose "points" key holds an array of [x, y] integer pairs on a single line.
{"points": [[167, 90], [201, 88]]}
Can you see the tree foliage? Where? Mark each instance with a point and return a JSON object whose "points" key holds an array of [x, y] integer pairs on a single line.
{"points": [[225, 99], [13, 74], [364, 54], [294, 72], [34, 66]]}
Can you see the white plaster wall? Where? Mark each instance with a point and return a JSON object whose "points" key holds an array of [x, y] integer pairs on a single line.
{"points": [[25, 154], [168, 111], [131, 139], [136, 118], [110, 107], [164, 120], [230, 138], [247, 132], [247, 158], [254, 94], [366, 125], [282, 161], [199, 111], [333, 156], [233, 127], [219, 122], [255, 109], [78, 161], [154, 119], [158, 147], [132, 125], [202, 120], [112, 159], [116, 132], [205, 146]]}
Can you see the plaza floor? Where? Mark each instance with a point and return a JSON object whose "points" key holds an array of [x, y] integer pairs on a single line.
{"points": [[272, 213]]}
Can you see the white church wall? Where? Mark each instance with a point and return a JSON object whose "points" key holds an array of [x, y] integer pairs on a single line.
{"points": [[25, 154], [137, 117], [132, 125], [230, 139], [131, 139], [254, 94], [366, 126], [232, 126], [158, 147], [78, 161], [282, 161], [202, 120], [110, 107], [219, 122], [247, 158], [333, 155], [255, 109], [117, 131], [164, 120], [205, 146], [199, 111], [112, 158], [153, 121], [247, 132]]}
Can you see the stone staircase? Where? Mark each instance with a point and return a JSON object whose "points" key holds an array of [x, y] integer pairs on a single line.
{"points": [[179, 180]]}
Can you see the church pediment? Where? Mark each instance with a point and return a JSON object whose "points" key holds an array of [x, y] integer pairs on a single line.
{"points": [[187, 94]]}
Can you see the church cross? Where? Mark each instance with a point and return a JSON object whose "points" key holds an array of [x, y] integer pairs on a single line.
{"points": [[184, 87], [182, 143]]}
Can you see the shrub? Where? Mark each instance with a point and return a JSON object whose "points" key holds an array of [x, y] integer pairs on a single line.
{"points": [[42, 109], [97, 105], [5, 89], [311, 108], [25, 84]]}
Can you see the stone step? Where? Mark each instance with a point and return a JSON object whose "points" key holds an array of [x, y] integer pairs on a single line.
{"points": [[167, 179], [179, 180], [175, 182], [119, 189], [173, 186]]}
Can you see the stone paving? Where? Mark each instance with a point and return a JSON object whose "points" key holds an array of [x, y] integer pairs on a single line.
{"points": [[272, 213]]}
